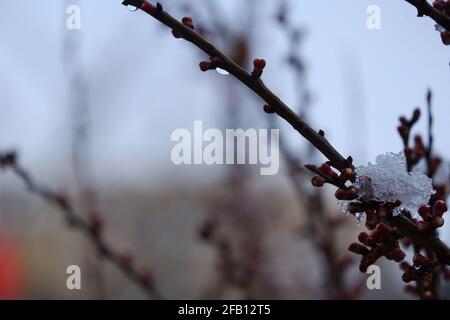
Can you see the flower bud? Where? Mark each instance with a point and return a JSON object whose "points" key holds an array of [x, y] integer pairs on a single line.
{"points": [[187, 21], [420, 260], [397, 254], [439, 208], [439, 5], [409, 275], [326, 170], [358, 248], [416, 115], [445, 37], [176, 34], [364, 238], [318, 181], [424, 212], [205, 66], [258, 67], [268, 109], [437, 222]]}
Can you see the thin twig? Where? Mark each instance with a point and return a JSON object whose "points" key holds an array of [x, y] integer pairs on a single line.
{"points": [[90, 228]]}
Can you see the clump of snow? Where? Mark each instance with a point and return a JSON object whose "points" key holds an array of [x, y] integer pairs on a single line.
{"points": [[388, 181]]}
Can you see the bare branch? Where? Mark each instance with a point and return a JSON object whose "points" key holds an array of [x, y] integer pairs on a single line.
{"points": [[92, 229], [219, 59], [254, 83]]}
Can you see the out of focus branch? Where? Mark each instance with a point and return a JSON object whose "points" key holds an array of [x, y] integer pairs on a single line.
{"points": [[91, 229], [426, 9]]}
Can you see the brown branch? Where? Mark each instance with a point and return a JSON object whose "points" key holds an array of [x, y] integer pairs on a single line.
{"points": [[256, 85], [429, 241], [426, 9], [90, 228]]}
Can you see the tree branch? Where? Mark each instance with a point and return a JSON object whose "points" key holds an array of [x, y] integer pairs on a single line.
{"points": [[256, 85], [429, 241], [426, 9], [92, 229]]}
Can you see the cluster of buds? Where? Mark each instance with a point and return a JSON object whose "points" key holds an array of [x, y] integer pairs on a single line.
{"points": [[432, 216], [212, 64], [415, 154], [443, 6], [258, 68], [375, 212], [422, 273], [382, 241], [406, 125]]}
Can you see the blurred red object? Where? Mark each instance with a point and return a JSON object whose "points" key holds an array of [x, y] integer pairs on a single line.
{"points": [[11, 271]]}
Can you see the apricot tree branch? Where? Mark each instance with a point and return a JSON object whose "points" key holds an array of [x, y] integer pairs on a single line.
{"points": [[424, 8], [254, 83], [92, 229]]}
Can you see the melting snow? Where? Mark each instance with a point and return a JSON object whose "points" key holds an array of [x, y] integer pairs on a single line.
{"points": [[387, 181]]}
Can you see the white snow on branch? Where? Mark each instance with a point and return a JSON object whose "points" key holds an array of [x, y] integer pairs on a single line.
{"points": [[387, 180]]}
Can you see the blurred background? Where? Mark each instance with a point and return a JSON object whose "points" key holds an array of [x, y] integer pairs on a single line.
{"points": [[91, 112]]}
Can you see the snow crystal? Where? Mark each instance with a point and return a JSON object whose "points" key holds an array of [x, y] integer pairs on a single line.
{"points": [[388, 181]]}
